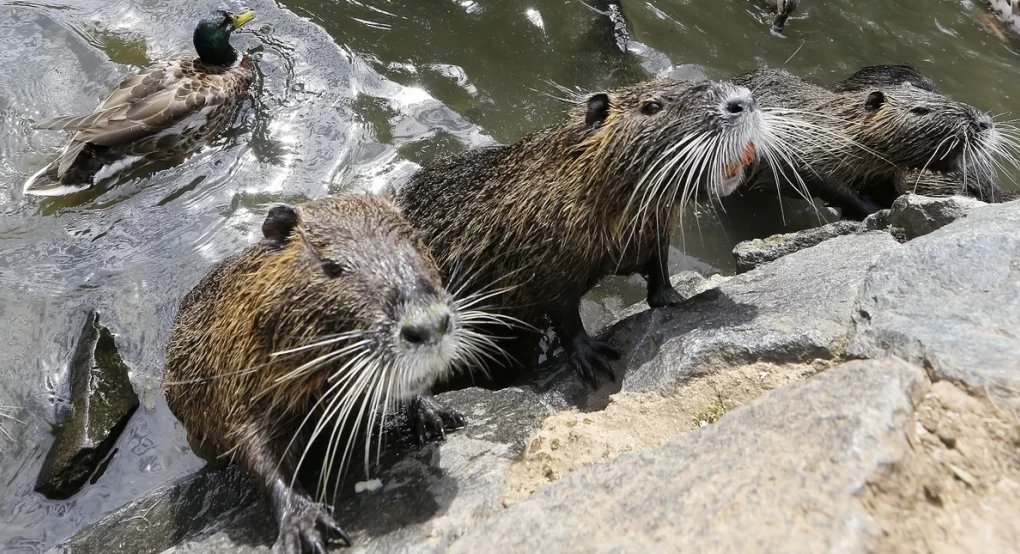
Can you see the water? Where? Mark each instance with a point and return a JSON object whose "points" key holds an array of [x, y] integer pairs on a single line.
{"points": [[350, 95]]}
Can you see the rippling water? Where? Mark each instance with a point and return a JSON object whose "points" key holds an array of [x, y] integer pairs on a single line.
{"points": [[350, 94]]}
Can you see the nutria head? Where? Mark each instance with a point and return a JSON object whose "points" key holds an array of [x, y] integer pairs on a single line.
{"points": [[671, 138], [784, 8], [354, 268], [898, 112]]}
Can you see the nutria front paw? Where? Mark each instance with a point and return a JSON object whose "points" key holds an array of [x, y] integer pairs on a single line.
{"points": [[664, 296], [307, 529], [589, 354], [429, 418]]}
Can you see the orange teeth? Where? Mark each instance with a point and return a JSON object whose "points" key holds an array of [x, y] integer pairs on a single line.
{"points": [[746, 158], [732, 169], [749, 152]]}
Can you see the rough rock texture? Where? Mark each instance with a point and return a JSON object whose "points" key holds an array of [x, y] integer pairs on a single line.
{"points": [[951, 301], [913, 215], [778, 475], [102, 401], [752, 253], [795, 309]]}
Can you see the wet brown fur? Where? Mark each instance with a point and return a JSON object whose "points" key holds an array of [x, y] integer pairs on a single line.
{"points": [[341, 265], [551, 214]]}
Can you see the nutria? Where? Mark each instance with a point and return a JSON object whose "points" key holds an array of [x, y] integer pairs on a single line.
{"points": [[887, 129], [975, 177], [339, 312], [782, 10], [594, 195]]}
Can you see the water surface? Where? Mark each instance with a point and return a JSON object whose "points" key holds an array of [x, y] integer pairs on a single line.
{"points": [[350, 95]]}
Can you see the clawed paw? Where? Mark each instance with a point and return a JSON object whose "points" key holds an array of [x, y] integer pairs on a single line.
{"points": [[308, 529], [431, 420], [664, 296], [588, 355]]}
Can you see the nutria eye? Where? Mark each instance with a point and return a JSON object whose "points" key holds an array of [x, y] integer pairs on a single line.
{"points": [[651, 108], [332, 269], [920, 111]]}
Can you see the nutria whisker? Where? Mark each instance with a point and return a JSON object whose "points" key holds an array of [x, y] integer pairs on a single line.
{"points": [[339, 410], [662, 172], [200, 380], [321, 342], [321, 360]]}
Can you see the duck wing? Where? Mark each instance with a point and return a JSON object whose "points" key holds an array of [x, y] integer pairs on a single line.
{"points": [[130, 90], [144, 105]]}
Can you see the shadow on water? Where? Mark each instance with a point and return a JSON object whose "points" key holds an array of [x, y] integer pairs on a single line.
{"points": [[350, 95]]}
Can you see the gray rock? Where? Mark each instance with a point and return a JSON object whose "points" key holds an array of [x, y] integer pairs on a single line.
{"points": [[915, 216], [782, 474], [429, 496], [951, 301], [102, 402], [795, 309], [752, 253], [878, 221]]}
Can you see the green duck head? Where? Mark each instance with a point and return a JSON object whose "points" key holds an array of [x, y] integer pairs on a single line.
{"points": [[212, 36]]}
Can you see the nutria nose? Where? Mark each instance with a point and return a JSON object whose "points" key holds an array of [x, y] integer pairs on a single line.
{"points": [[424, 329], [984, 124], [739, 105]]}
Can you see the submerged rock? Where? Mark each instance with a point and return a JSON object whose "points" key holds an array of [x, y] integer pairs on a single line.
{"points": [[102, 402]]}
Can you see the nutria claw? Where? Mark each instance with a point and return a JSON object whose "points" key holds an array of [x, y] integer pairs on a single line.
{"points": [[430, 418], [663, 297], [589, 354], [308, 529]]}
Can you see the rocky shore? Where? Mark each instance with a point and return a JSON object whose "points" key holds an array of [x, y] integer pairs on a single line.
{"points": [[854, 388]]}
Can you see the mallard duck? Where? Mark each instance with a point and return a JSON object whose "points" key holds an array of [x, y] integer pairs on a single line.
{"points": [[165, 112], [782, 10]]}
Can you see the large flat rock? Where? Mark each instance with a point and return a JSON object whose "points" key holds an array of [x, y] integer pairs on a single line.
{"points": [[782, 474], [950, 301], [795, 309]]}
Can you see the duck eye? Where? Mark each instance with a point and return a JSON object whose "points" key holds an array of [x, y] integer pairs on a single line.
{"points": [[651, 108], [920, 111], [332, 269]]}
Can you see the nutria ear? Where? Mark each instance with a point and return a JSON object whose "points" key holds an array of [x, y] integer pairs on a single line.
{"points": [[279, 224], [875, 101], [598, 110]]}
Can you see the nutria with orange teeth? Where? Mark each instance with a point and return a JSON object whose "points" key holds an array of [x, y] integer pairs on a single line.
{"points": [[542, 220]]}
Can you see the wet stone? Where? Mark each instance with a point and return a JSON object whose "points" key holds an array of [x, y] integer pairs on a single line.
{"points": [[753, 253], [102, 402], [428, 496]]}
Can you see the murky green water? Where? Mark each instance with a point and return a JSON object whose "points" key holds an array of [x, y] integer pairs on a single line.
{"points": [[350, 93]]}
